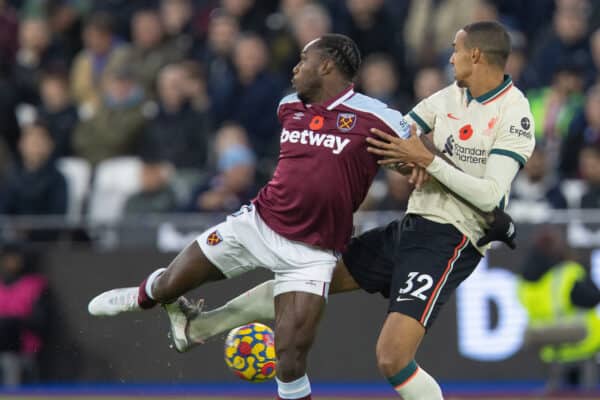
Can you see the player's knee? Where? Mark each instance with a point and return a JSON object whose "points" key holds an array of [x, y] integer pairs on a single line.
{"points": [[390, 361]]}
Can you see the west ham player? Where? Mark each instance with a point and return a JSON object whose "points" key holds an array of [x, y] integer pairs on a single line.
{"points": [[299, 221], [483, 124]]}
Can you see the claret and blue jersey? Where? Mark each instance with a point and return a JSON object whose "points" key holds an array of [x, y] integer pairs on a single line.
{"points": [[324, 170]]}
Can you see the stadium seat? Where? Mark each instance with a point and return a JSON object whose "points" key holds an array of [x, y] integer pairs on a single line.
{"points": [[114, 181], [77, 172]]}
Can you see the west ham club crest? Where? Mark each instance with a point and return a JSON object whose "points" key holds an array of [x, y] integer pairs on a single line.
{"points": [[214, 239], [346, 121]]}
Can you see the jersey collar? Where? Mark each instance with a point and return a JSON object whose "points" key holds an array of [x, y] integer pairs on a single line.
{"points": [[493, 94], [340, 98]]}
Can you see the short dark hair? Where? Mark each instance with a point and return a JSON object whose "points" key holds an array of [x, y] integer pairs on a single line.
{"points": [[101, 21], [491, 38], [343, 51]]}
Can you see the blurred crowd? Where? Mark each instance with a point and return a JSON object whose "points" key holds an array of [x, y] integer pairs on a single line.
{"points": [[118, 107]]}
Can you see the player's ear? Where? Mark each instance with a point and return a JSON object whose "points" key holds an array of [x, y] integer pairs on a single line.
{"points": [[326, 67], [476, 55]]}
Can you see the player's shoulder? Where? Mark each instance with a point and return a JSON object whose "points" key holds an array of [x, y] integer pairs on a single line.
{"points": [[367, 105], [452, 91], [289, 99], [516, 95], [287, 105], [448, 95], [515, 101]]}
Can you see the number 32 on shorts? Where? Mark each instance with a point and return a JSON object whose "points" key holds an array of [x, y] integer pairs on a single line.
{"points": [[416, 284]]}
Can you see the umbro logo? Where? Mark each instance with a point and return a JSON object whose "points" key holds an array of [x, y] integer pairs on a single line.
{"points": [[298, 116]]}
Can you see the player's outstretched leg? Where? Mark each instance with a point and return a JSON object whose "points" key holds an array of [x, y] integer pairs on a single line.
{"points": [[297, 316], [396, 348], [191, 326], [188, 270]]}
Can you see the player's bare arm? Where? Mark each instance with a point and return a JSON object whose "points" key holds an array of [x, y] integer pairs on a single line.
{"points": [[396, 150]]}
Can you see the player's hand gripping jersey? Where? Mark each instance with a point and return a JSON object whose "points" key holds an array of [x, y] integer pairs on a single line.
{"points": [[469, 131], [324, 169]]}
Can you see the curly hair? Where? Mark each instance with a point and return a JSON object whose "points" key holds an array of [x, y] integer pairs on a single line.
{"points": [[343, 51]]}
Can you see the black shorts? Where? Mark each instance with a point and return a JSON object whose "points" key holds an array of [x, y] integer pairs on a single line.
{"points": [[416, 263]]}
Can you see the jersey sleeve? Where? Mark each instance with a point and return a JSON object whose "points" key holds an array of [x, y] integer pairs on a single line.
{"points": [[515, 138], [290, 98], [394, 120], [423, 114]]}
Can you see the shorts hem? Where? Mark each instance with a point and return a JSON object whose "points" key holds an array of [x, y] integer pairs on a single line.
{"points": [[319, 288]]}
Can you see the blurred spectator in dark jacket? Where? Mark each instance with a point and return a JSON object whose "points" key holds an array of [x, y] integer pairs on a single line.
{"points": [[177, 18], [66, 20], [103, 52], [6, 163], [150, 49], [253, 101], [251, 14], [178, 134], [536, 186], [223, 31], [595, 50], [529, 17], [8, 33], [428, 80], [583, 130], [35, 186], [58, 111], [378, 79], [25, 314], [565, 40], [35, 54], [117, 127], [516, 65], [122, 12], [196, 87], [174, 145], [589, 161], [233, 185], [374, 30], [9, 128]]}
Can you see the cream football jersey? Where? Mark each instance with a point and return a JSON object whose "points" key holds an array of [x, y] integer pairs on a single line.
{"points": [[468, 130]]}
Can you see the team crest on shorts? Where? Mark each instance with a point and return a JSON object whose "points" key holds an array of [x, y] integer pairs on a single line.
{"points": [[214, 239], [346, 121]]}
